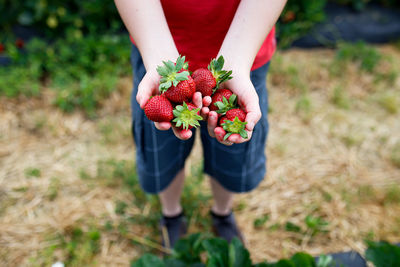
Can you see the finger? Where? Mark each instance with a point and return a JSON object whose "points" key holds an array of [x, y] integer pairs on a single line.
{"points": [[204, 112], [212, 122], [197, 100], [163, 126], [220, 134], [182, 134], [145, 91], [206, 101], [237, 139], [253, 114]]}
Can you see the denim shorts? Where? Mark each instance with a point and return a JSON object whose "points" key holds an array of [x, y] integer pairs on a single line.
{"points": [[160, 155]]}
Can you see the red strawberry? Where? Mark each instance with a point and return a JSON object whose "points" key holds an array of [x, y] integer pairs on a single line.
{"points": [[159, 109], [19, 43], [187, 116], [208, 80], [205, 81], [176, 83], [222, 101], [2, 48], [218, 97], [222, 120], [236, 112]]}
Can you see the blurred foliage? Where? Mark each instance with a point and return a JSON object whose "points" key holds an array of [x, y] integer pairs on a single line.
{"points": [[81, 80], [57, 18], [298, 17], [365, 55]]}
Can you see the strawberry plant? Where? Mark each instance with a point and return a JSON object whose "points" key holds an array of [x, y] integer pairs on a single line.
{"points": [[203, 250]]}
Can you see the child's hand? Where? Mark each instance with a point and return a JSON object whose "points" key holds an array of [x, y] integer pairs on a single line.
{"points": [[149, 87], [247, 99]]}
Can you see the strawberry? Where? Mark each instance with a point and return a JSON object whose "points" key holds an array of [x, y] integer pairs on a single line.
{"points": [[222, 101], [222, 120], [2, 48], [176, 83], [159, 109], [236, 112], [233, 126], [19, 43], [187, 116], [208, 80], [205, 81]]}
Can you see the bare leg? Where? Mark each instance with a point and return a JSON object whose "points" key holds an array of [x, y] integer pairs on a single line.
{"points": [[223, 199], [171, 196]]}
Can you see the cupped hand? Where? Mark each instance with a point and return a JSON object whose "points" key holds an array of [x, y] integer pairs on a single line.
{"points": [[149, 87], [242, 86]]}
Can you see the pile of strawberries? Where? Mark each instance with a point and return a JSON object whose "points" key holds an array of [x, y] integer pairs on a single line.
{"points": [[177, 87]]}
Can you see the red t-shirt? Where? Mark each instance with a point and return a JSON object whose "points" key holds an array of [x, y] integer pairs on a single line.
{"points": [[199, 28]]}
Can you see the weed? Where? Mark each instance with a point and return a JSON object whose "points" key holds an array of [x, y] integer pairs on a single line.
{"points": [[340, 98], [120, 207], [33, 172], [395, 155], [366, 56], [304, 107], [54, 187], [316, 225], [389, 103], [392, 195], [260, 222], [291, 227]]}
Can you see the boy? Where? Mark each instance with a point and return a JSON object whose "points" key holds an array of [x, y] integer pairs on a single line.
{"points": [[241, 31]]}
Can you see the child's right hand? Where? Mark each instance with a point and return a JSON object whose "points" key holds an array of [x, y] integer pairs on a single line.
{"points": [[149, 87]]}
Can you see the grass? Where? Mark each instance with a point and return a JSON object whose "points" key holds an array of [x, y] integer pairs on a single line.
{"points": [[366, 56], [389, 102]]}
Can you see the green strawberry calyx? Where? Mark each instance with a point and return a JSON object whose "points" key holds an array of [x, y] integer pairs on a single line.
{"points": [[234, 127], [219, 74], [171, 73], [226, 105], [185, 117]]}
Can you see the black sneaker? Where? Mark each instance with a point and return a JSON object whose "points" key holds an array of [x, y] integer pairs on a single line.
{"points": [[172, 229], [225, 227]]}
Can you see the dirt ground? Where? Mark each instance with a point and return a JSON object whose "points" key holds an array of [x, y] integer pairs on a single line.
{"points": [[333, 154]]}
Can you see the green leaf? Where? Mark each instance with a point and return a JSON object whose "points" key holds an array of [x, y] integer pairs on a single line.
{"points": [[227, 136], [325, 261], [383, 254], [302, 259], [188, 249], [243, 134], [179, 63], [174, 263], [217, 250], [170, 65], [291, 227], [162, 71], [238, 255], [148, 260], [285, 263]]}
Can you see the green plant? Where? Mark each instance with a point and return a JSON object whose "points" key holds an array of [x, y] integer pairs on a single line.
{"points": [[298, 17], [259, 222], [340, 98], [365, 55], [316, 225], [218, 253], [383, 254], [395, 155], [83, 71], [33, 172], [389, 102]]}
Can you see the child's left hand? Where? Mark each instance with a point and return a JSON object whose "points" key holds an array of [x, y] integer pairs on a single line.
{"points": [[242, 86]]}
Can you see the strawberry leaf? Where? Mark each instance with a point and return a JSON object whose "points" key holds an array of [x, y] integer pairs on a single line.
{"points": [[227, 136]]}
